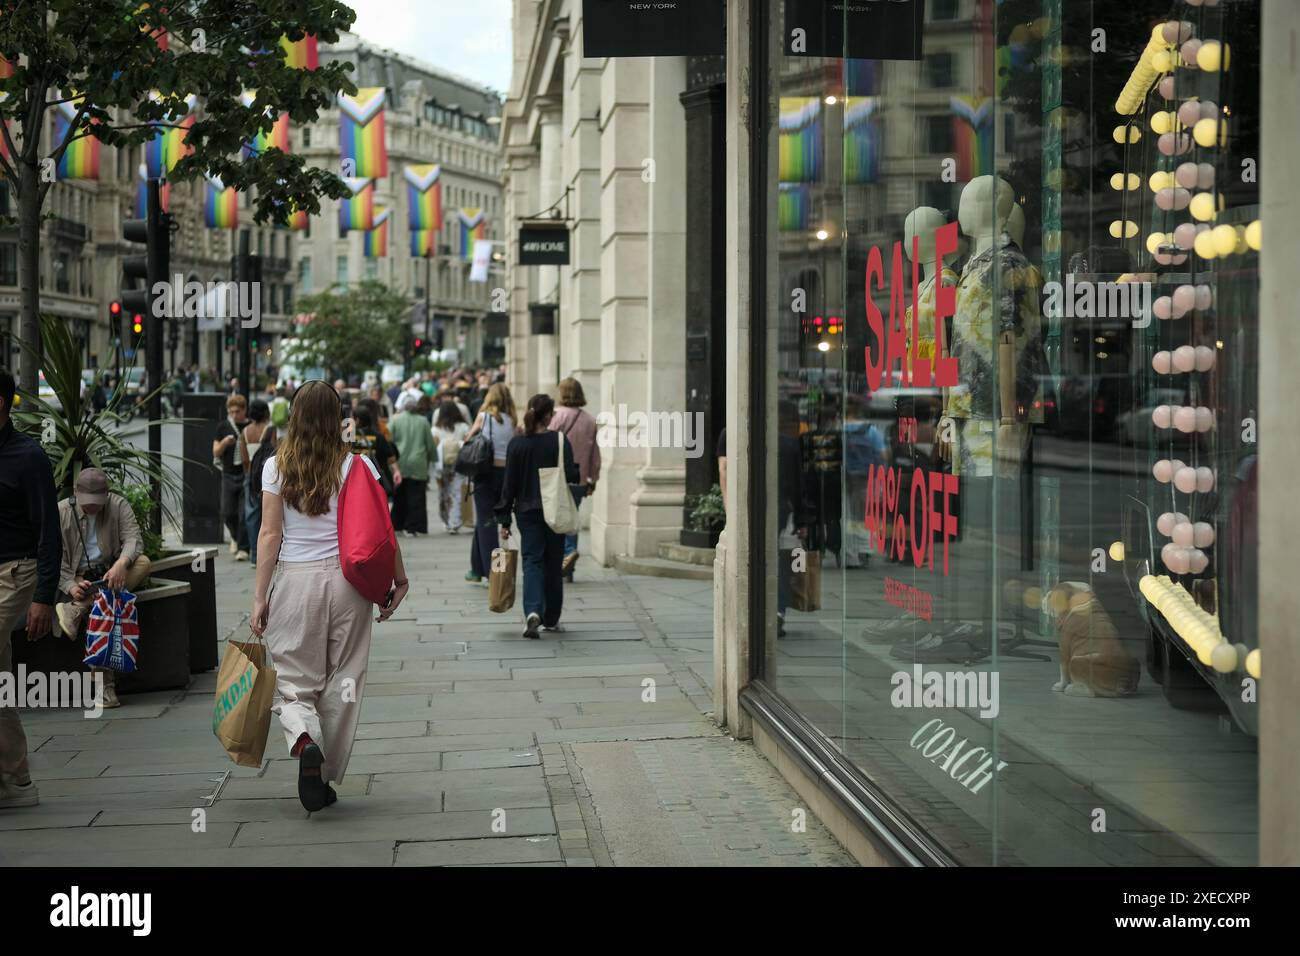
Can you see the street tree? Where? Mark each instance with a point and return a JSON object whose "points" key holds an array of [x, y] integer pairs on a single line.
{"points": [[127, 67], [349, 329]]}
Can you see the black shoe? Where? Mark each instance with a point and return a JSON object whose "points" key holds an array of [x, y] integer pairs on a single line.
{"points": [[780, 625], [313, 791], [331, 797]]}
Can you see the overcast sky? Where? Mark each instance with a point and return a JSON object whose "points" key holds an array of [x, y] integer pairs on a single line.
{"points": [[467, 37]]}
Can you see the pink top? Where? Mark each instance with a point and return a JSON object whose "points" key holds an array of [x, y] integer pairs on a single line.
{"points": [[580, 428]]}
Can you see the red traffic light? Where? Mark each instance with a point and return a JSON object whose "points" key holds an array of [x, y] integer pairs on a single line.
{"points": [[115, 308], [419, 343]]}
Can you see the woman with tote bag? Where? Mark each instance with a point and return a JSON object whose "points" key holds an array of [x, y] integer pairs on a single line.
{"points": [[539, 470], [316, 623]]}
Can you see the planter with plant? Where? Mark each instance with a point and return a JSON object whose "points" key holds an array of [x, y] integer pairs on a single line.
{"points": [[705, 518], [75, 436]]}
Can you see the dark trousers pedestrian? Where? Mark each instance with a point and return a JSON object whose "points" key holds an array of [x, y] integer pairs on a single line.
{"points": [[413, 506], [232, 508], [542, 552], [253, 521], [398, 514], [487, 490]]}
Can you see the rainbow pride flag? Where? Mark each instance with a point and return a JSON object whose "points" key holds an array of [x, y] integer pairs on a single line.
{"points": [[220, 205], [168, 145], [862, 148], [276, 137], [424, 197], [799, 140], [793, 206], [359, 211], [473, 227], [142, 193], [361, 132], [81, 159], [375, 242], [297, 221], [300, 54], [424, 243], [972, 131]]}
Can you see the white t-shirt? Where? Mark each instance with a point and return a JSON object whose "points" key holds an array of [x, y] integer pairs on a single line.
{"points": [[309, 538]]}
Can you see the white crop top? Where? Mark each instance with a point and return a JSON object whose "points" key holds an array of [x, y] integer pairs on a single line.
{"points": [[309, 538]]}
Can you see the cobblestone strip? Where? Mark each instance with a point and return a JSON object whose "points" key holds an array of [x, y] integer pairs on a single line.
{"points": [[581, 843]]}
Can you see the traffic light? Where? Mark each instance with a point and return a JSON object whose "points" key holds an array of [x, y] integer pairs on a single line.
{"points": [[114, 310], [154, 267]]}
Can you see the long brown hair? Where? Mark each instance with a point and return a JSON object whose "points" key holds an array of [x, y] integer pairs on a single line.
{"points": [[499, 402], [310, 456]]}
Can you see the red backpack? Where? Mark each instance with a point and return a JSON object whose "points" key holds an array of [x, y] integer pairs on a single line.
{"points": [[367, 544]]}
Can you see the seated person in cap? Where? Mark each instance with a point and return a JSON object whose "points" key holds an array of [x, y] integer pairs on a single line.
{"points": [[101, 541]]}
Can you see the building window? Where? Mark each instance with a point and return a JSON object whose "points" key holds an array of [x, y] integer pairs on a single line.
{"points": [[304, 275], [8, 263], [306, 136], [939, 70], [943, 9], [938, 134], [341, 270]]}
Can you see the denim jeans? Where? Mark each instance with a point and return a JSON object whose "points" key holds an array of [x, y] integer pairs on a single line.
{"points": [[542, 552], [571, 540], [252, 520], [487, 490]]}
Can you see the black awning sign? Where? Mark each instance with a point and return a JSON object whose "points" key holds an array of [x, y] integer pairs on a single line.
{"points": [[653, 28], [544, 244], [855, 29]]}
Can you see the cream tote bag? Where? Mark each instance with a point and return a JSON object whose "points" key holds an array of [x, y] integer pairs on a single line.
{"points": [[557, 500]]}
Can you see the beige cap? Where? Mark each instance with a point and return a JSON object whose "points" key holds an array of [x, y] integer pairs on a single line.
{"points": [[92, 487]]}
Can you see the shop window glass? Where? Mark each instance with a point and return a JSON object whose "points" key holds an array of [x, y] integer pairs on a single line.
{"points": [[1011, 525]]}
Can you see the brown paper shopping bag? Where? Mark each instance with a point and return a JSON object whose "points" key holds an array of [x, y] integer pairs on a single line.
{"points": [[501, 580], [806, 584], [241, 716]]}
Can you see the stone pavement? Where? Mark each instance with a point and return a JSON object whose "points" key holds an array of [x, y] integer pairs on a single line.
{"points": [[476, 747]]}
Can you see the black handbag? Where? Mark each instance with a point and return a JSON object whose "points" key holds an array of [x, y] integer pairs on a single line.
{"points": [[478, 455]]}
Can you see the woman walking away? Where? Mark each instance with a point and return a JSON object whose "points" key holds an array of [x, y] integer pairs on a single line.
{"points": [[580, 429], [449, 431], [256, 445], [317, 625], [543, 549], [496, 419]]}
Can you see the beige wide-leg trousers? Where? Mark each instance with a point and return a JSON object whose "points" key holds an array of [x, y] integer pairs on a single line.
{"points": [[318, 633]]}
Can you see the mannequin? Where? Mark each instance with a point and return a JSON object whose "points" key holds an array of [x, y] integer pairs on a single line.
{"points": [[997, 341], [1008, 331]]}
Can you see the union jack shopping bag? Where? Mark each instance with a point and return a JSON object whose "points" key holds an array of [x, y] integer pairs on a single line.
{"points": [[113, 631]]}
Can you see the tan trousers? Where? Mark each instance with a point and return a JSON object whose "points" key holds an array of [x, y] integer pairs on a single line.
{"points": [[318, 633], [136, 572], [17, 582]]}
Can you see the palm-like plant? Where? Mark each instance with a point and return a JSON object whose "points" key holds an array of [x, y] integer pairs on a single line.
{"points": [[73, 433]]}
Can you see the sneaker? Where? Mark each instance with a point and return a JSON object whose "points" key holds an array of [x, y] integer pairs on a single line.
{"points": [[531, 624], [453, 530], [954, 644], [241, 556], [69, 618], [234, 547], [554, 628], [313, 791], [408, 534], [13, 795], [472, 578]]}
